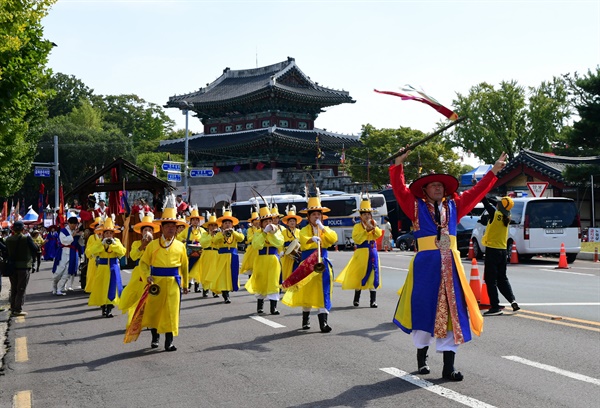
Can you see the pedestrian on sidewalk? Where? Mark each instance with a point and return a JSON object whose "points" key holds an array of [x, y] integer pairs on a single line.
{"points": [[21, 251], [494, 239]]}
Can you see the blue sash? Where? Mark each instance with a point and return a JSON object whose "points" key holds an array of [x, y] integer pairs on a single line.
{"points": [[174, 272], [269, 251], [235, 265], [372, 263], [115, 283]]}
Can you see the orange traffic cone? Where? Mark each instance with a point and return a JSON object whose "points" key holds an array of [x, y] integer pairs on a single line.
{"points": [[485, 298], [471, 254], [562, 260], [475, 281], [514, 257]]}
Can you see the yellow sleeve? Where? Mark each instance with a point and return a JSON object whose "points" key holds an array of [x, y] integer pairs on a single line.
{"points": [[238, 236], [96, 247], [276, 239], [328, 237], [117, 248], [359, 234], [183, 269], [135, 252], [146, 259], [206, 239], [258, 241]]}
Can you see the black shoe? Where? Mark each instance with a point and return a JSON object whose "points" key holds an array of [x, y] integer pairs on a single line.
{"points": [[449, 373], [259, 306], [274, 310], [356, 300], [205, 293], [305, 320], [422, 365], [215, 295], [197, 288], [170, 347], [373, 296], [155, 338], [493, 312], [325, 328], [515, 306]]}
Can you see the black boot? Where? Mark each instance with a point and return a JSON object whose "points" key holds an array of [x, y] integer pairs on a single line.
{"points": [[373, 295], [205, 293], [305, 320], [422, 361], [189, 285], [169, 342], [103, 307], [449, 373], [109, 309], [196, 287], [274, 310], [226, 296], [259, 306], [155, 338], [215, 295], [356, 298], [325, 328]]}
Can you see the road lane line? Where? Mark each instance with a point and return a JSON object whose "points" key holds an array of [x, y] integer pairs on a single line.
{"points": [[568, 273], [21, 350], [22, 399], [552, 369], [396, 269], [562, 317], [267, 322], [436, 389], [559, 322]]}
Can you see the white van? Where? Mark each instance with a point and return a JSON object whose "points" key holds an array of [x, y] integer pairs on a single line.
{"points": [[538, 226]]}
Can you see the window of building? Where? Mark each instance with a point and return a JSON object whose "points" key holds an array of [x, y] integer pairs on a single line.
{"points": [[213, 129], [250, 125], [302, 125], [284, 123], [266, 123], [239, 127], [229, 128]]}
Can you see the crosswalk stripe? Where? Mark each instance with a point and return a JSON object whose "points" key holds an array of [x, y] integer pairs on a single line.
{"points": [[556, 370]]}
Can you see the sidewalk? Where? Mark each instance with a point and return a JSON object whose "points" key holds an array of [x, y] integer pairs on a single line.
{"points": [[4, 316]]}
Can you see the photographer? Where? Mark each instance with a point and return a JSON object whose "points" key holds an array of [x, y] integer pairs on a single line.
{"points": [[67, 257]]}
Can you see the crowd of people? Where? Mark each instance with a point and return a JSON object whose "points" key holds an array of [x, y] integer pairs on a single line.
{"points": [[177, 253]]}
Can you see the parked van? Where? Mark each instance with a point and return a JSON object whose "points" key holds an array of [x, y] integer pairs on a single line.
{"points": [[538, 226]]}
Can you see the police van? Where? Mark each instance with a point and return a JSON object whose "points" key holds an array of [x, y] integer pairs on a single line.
{"points": [[538, 226]]}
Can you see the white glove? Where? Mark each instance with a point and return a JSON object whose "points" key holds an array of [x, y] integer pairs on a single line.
{"points": [[320, 225], [316, 239], [268, 228]]}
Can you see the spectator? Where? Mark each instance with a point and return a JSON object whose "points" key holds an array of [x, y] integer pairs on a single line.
{"points": [[21, 251]]}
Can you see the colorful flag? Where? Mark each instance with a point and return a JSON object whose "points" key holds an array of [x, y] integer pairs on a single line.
{"points": [[234, 194], [4, 211], [216, 170], [237, 168], [343, 156], [154, 173], [260, 166], [422, 97], [41, 204], [61, 207]]}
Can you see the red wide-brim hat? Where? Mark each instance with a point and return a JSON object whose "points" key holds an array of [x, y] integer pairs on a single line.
{"points": [[450, 184]]}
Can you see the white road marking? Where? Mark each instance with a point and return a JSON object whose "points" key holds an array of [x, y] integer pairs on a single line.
{"points": [[436, 389], [396, 269], [556, 370], [267, 322], [568, 273], [561, 304]]}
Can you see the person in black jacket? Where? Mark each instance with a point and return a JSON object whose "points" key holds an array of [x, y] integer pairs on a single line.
{"points": [[21, 251]]}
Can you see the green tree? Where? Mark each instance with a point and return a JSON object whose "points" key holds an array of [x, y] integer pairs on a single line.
{"points": [[23, 92], [510, 118], [378, 144], [69, 92], [584, 138]]}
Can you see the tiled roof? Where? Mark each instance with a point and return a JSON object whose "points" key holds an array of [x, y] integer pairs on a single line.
{"points": [[237, 85], [547, 164]]}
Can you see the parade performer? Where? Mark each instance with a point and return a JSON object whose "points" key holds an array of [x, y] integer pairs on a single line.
{"points": [[225, 277], [250, 254], [94, 238], [136, 285], [51, 243], [277, 225], [164, 266], [39, 241], [265, 280], [290, 261], [208, 259], [362, 271], [67, 258], [191, 237], [314, 291], [436, 299], [106, 287]]}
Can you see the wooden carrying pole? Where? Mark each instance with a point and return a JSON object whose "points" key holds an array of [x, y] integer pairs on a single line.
{"points": [[425, 139]]}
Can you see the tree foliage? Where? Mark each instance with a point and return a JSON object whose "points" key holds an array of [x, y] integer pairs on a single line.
{"points": [[584, 139], [69, 93], [23, 74], [435, 156], [511, 118]]}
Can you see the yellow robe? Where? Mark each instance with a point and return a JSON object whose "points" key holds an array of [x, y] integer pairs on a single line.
{"points": [[195, 271], [316, 293], [250, 255], [134, 289], [91, 268], [101, 282], [222, 277], [162, 309], [287, 262], [208, 259], [267, 269], [352, 275]]}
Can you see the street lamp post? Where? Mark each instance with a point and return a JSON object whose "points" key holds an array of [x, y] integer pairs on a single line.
{"points": [[186, 111]]}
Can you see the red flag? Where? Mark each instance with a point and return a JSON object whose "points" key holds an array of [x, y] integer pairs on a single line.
{"points": [[61, 207], [424, 98], [216, 169], [4, 211], [114, 205], [260, 166]]}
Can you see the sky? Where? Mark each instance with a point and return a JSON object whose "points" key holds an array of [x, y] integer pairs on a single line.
{"points": [[157, 49]]}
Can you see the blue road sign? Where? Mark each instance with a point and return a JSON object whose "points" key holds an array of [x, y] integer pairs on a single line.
{"points": [[41, 172], [202, 173], [174, 177], [169, 166]]}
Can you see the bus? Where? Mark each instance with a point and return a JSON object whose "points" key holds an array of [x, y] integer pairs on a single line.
{"points": [[341, 218]]}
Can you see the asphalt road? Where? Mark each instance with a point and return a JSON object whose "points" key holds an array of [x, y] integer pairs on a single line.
{"points": [[64, 354]]}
